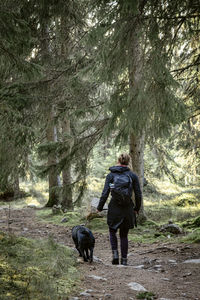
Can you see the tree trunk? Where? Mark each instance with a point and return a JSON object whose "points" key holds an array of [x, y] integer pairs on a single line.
{"points": [[135, 84], [67, 189], [16, 187], [52, 162], [137, 157], [46, 57], [67, 201]]}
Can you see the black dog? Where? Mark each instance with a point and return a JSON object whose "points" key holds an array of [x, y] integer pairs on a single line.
{"points": [[84, 241]]}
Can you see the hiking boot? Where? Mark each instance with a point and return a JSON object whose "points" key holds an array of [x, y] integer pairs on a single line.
{"points": [[115, 260], [124, 261]]}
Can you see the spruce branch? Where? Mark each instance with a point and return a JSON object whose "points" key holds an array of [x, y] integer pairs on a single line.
{"points": [[181, 70]]}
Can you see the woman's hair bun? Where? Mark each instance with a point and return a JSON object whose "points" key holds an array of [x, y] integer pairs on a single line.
{"points": [[124, 159]]}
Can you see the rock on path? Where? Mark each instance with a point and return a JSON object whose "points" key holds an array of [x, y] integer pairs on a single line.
{"points": [[136, 287]]}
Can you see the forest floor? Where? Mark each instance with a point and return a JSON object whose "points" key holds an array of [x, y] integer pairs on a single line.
{"points": [[159, 267]]}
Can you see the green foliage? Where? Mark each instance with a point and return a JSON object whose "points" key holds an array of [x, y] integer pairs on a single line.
{"points": [[73, 217], [186, 200], [192, 223], [161, 203], [17, 70], [193, 237], [160, 207], [143, 93], [146, 234], [105, 66], [146, 295], [35, 269], [98, 225]]}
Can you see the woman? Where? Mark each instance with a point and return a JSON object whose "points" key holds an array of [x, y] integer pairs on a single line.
{"points": [[121, 214]]}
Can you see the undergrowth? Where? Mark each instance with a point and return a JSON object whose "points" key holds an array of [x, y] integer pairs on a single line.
{"points": [[35, 269], [146, 296], [146, 233], [73, 218], [193, 237], [163, 201]]}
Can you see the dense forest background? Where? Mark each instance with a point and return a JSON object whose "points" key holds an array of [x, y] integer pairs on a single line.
{"points": [[82, 81]]}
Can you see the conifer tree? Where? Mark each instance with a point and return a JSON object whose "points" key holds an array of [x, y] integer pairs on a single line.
{"points": [[135, 55], [69, 96], [17, 71]]}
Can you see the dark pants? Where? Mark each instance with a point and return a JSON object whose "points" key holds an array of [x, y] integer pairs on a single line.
{"points": [[123, 233]]}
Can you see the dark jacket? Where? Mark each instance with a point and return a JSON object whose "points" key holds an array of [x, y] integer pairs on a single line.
{"points": [[118, 214]]}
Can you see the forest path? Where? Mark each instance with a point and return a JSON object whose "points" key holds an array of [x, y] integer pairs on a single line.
{"points": [[159, 267]]}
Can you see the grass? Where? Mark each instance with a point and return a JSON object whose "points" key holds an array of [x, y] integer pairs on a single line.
{"points": [[192, 223], [98, 225], [167, 201], [192, 237], [146, 296], [73, 217], [147, 235], [163, 201], [43, 270], [37, 195], [161, 205], [33, 269]]}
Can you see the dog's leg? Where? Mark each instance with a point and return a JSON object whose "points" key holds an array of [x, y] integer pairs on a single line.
{"points": [[87, 254], [77, 248], [83, 254], [80, 254], [91, 254]]}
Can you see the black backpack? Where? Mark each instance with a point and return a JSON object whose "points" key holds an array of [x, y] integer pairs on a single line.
{"points": [[121, 188]]}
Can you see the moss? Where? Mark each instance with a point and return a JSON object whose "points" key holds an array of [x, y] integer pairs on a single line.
{"points": [[197, 222], [146, 295], [73, 217], [151, 223], [186, 200], [193, 237], [148, 234], [35, 269], [192, 223], [98, 225]]}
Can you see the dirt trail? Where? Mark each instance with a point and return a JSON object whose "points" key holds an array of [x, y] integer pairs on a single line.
{"points": [[159, 268]]}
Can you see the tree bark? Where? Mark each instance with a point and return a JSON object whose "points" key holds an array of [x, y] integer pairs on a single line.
{"points": [[135, 84], [46, 57], [67, 201], [137, 157], [16, 186], [52, 162]]}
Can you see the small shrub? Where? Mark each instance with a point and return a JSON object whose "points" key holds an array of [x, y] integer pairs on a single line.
{"points": [[192, 223], [151, 223], [146, 295], [193, 237], [98, 224], [187, 202], [33, 269]]}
